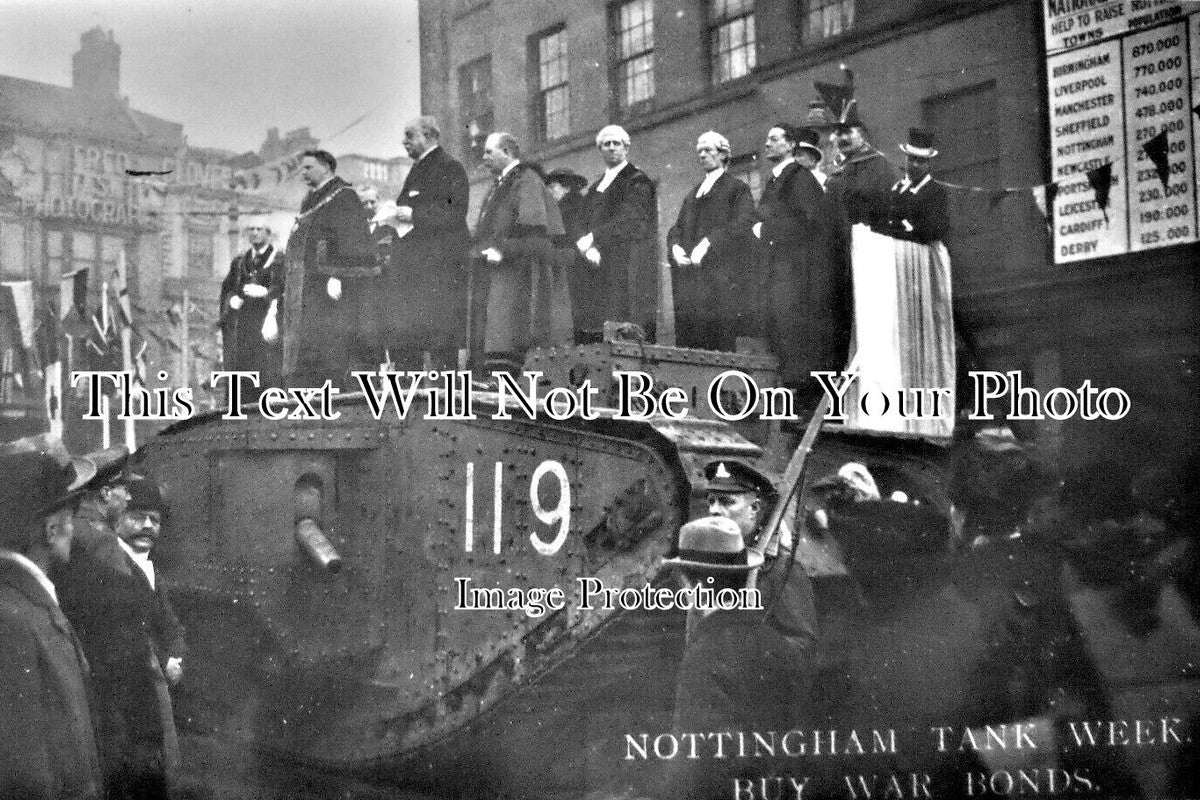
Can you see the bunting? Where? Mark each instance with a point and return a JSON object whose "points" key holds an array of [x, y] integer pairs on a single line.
{"points": [[1156, 150]]}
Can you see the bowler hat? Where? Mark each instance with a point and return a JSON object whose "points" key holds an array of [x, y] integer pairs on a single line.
{"points": [[810, 140], [919, 144], [735, 477], [144, 494], [714, 544]]}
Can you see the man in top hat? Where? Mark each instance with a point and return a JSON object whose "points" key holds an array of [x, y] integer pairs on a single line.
{"points": [[617, 277], [810, 155], [905, 327], [706, 242], [47, 743], [739, 671], [135, 644], [254, 282], [803, 294]]}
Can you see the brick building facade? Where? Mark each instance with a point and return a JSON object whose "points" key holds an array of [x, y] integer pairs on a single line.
{"points": [[974, 73]]}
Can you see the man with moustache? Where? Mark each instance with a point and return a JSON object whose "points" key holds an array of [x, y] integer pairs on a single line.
{"points": [[135, 643], [328, 282], [47, 742], [710, 286], [800, 302], [616, 277], [514, 240], [424, 298], [254, 282]]}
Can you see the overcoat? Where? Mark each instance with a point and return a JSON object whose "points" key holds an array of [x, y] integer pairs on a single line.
{"points": [[47, 738], [424, 292], [806, 295], [241, 329], [528, 302], [322, 337]]}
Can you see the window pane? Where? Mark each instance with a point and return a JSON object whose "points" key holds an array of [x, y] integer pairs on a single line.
{"points": [[12, 250], [828, 18]]}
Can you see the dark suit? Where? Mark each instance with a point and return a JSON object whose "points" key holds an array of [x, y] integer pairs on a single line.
{"points": [[128, 631], [739, 673], [47, 740], [624, 287], [527, 302], [324, 338], [241, 329], [925, 211], [711, 308], [424, 299], [806, 296]]}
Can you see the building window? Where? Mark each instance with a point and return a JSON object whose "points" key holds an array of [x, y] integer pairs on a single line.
{"points": [[829, 18], [54, 255], [554, 92], [83, 252], [633, 33], [475, 105], [199, 252], [12, 250], [731, 39]]}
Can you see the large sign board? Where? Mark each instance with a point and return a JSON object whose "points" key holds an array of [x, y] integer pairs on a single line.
{"points": [[1120, 74]]}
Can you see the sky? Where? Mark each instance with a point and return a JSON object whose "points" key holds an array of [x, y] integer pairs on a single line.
{"points": [[230, 69]]}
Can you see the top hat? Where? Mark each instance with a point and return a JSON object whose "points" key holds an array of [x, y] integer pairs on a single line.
{"points": [[734, 477], [567, 178], [809, 139], [920, 143], [714, 544]]}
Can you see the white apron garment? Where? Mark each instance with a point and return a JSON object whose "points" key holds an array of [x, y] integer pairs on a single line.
{"points": [[876, 334], [903, 337]]}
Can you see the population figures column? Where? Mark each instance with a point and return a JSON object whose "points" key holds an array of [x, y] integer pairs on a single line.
{"points": [[1157, 100]]}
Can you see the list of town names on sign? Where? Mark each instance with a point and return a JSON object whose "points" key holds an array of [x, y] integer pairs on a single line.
{"points": [[1124, 72]]}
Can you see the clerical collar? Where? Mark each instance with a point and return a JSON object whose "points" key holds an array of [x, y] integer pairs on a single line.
{"points": [[709, 179], [610, 175], [778, 169]]}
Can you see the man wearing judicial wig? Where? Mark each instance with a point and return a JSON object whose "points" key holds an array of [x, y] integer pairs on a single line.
{"points": [[47, 742], [740, 671]]}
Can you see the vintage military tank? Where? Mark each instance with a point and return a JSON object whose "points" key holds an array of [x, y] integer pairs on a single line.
{"points": [[321, 569]]}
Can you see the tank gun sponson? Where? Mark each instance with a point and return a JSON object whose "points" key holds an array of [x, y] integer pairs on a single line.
{"points": [[315, 563]]}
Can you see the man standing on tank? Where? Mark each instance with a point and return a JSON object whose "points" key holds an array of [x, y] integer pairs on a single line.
{"points": [[424, 302], [617, 276]]}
